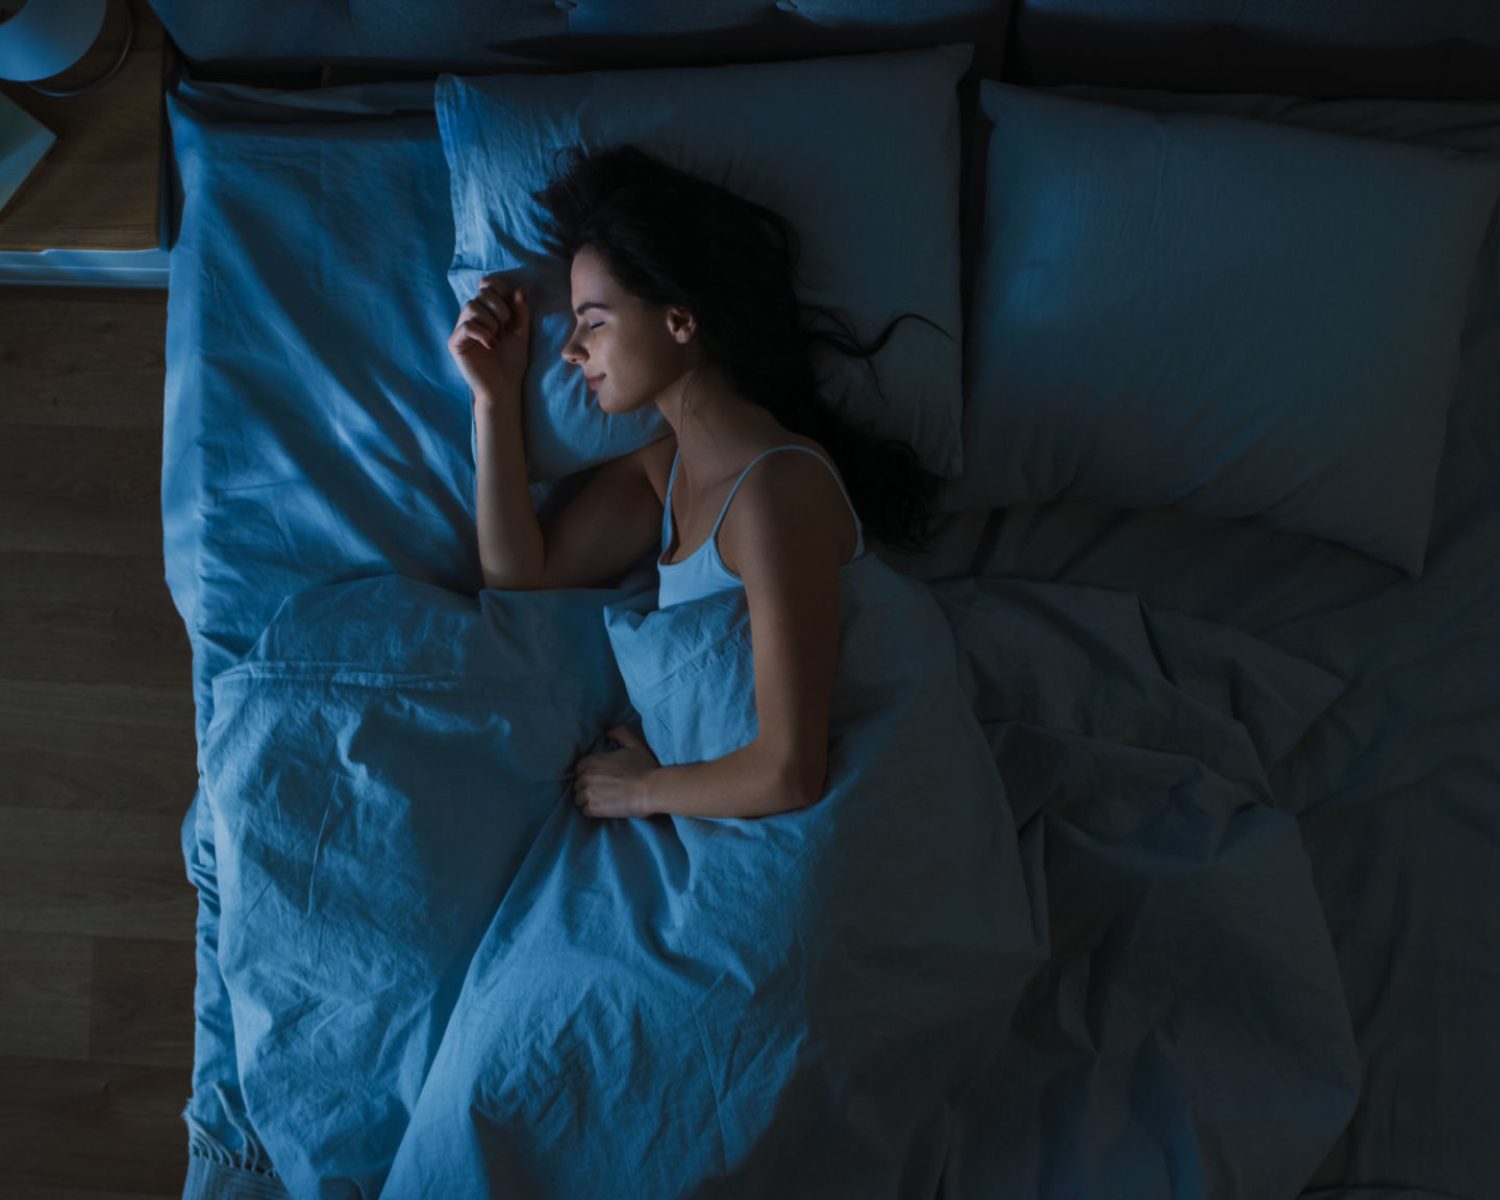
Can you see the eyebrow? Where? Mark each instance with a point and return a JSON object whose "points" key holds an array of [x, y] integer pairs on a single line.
{"points": [[588, 304]]}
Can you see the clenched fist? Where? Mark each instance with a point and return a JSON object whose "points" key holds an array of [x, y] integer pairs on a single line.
{"points": [[491, 343]]}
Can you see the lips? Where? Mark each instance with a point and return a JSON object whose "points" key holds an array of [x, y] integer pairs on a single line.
{"points": [[593, 380]]}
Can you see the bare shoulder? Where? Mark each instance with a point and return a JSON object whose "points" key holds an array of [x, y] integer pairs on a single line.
{"points": [[790, 496]]}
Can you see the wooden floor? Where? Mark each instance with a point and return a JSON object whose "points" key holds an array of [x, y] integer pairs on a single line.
{"points": [[97, 758]]}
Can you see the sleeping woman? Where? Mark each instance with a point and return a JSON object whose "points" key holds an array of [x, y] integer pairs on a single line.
{"points": [[683, 297]]}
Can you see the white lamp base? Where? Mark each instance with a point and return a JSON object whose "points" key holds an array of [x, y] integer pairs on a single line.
{"points": [[45, 39]]}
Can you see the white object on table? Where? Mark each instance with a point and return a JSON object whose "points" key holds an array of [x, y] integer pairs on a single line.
{"points": [[48, 36], [24, 142]]}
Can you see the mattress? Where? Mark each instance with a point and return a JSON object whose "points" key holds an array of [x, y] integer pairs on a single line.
{"points": [[1244, 771]]}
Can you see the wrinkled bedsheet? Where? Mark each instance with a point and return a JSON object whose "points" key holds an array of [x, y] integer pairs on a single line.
{"points": [[439, 967], [315, 433], [446, 980], [1188, 1036]]}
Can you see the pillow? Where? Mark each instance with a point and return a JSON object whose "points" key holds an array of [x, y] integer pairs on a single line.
{"points": [[860, 153], [1237, 318]]}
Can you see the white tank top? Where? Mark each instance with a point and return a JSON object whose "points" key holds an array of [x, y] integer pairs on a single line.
{"points": [[702, 573]]}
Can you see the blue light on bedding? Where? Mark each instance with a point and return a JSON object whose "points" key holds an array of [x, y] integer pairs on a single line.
{"points": [[446, 980], [437, 976], [1396, 788], [299, 446], [440, 967]]}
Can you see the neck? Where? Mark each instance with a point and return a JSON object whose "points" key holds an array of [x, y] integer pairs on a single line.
{"points": [[712, 435]]}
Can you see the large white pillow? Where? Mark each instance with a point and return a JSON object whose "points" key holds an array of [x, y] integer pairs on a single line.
{"points": [[1235, 317], [860, 152]]}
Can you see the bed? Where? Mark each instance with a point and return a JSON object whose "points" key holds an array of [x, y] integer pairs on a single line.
{"points": [[1159, 848]]}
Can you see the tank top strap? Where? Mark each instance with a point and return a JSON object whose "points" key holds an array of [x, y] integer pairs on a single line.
{"points": [[713, 537], [712, 541], [858, 526]]}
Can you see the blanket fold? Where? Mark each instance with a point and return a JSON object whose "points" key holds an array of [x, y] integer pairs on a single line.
{"points": [[1046, 889], [1189, 1034]]}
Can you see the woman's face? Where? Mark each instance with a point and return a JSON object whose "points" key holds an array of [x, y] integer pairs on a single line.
{"points": [[635, 350]]}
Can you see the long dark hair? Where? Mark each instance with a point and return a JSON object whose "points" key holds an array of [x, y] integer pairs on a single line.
{"points": [[669, 237]]}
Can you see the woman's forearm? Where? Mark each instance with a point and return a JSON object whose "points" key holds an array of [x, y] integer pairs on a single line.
{"points": [[512, 553], [744, 783]]}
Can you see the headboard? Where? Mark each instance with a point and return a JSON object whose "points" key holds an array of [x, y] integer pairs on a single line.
{"points": [[1410, 49], [224, 41], [1417, 49]]}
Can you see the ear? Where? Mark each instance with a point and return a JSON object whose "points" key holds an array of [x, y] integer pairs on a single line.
{"points": [[681, 324]]}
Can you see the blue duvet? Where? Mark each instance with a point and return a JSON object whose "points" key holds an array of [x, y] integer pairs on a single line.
{"points": [[1051, 929], [448, 981]]}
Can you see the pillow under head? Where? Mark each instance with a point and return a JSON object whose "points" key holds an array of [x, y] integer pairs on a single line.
{"points": [[859, 152]]}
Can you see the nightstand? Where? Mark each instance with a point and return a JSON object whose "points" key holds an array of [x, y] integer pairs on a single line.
{"points": [[94, 211]]}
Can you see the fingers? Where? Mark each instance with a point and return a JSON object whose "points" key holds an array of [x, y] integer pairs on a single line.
{"points": [[485, 320], [488, 300], [479, 319], [482, 314], [472, 329], [503, 299], [464, 338]]}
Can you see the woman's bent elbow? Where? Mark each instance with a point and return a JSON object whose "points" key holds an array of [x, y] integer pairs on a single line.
{"points": [[501, 583]]}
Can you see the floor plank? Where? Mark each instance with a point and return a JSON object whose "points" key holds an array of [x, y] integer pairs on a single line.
{"points": [[93, 1124], [46, 987], [90, 618], [78, 356], [42, 1192], [141, 1008], [100, 745], [77, 872], [80, 490], [98, 759]]}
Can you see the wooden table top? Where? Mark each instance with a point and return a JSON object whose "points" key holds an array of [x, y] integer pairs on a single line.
{"points": [[99, 187]]}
